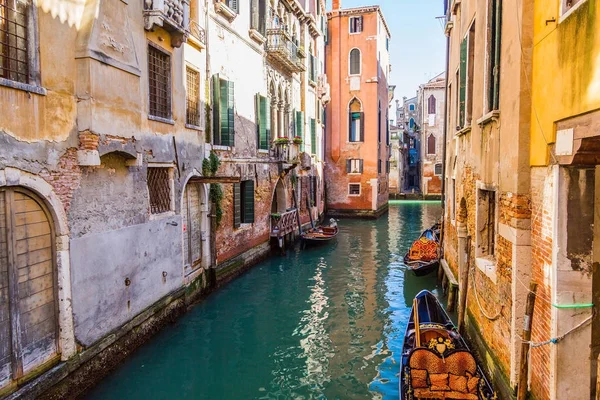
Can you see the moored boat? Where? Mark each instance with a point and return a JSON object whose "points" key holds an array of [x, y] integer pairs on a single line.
{"points": [[436, 361], [423, 257], [321, 234]]}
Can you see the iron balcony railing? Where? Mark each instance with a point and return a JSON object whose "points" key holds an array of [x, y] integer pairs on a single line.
{"points": [[197, 32], [280, 49]]}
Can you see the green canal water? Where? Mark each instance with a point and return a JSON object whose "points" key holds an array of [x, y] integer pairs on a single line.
{"points": [[318, 323]]}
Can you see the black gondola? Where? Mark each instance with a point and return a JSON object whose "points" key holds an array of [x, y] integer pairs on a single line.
{"points": [[436, 361], [422, 267]]}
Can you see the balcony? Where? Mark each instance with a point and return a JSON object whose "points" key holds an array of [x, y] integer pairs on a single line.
{"points": [[283, 224], [197, 35], [171, 15], [282, 51]]}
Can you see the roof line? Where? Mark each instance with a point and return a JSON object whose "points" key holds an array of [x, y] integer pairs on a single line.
{"points": [[344, 11]]}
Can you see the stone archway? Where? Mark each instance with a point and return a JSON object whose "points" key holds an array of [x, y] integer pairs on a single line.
{"points": [[279, 202]]}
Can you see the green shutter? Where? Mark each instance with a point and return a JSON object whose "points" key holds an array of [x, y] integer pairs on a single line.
{"points": [[300, 126], [313, 135], [216, 100], [230, 113], [237, 205], [362, 127], [248, 203], [224, 113], [263, 122], [463, 81]]}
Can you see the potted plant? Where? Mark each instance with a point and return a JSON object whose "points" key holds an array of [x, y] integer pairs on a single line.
{"points": [[297, 140], [282, 141], [275, 216]]}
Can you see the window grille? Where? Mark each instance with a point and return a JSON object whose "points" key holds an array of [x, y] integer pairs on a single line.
{"points": [[159, 188], [354, 189], [14, 60], [438, 169], [192, 114], [356, 24], [159, 79]]}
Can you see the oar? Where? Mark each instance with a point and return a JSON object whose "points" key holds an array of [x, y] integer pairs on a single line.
{"points": [[416, 321]]}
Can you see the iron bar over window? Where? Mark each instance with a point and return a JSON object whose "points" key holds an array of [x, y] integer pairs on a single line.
{"points": [[192, 112], [159, 80], [14, 60], [159, 189]]}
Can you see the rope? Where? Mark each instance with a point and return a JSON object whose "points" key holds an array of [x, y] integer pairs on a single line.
{"points": [[472, 273], [558, 338]]}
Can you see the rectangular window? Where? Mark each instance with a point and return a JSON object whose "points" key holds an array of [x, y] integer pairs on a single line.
{"points": [[453, 205], [493, 54], [356, 24], [192, 111], [486, 222], [354, 166], [356, 126], [14, 40], [387, 167], [233, 4], [313, 68], [354, 189], [159, 82], [159, 189], [313, 136], [243, 203], [470, 72], [263, 122], [223, 112], [437, 169], [258, 19]]}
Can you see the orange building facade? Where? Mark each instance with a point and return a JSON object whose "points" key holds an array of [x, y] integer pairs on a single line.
{"points": [[357, 141]]}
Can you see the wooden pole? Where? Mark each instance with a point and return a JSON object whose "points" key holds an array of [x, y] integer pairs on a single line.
{"points": [[598, 380], [525, 346], [297, 212], [312, 223], [417, 326]]}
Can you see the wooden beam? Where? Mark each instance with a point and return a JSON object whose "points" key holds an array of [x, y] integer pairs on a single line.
{"points": [[215, 179]]}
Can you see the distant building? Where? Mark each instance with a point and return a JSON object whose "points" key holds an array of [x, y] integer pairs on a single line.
{"points": [[430, 116], [357, 135], [407, 120], [398, 159]]}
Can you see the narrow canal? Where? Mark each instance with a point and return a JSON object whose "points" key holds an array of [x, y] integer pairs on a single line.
{"points": [[322, 323]]}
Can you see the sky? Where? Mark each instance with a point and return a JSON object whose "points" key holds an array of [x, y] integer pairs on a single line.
{"points": [[418, 44]]}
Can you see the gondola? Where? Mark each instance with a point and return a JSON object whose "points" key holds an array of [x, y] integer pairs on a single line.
{"points": [[423, 256], [436, 361], [321, 233]]}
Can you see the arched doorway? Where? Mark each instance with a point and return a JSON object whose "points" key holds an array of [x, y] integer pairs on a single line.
{"points": [[28, 306], [279, 203], [193, 212]]}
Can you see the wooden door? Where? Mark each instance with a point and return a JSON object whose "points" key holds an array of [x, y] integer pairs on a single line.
{"points": [[28, 323], [192, 222]]}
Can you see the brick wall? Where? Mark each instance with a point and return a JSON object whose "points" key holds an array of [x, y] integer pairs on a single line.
{"points": [[541, 248], [65, 178]]}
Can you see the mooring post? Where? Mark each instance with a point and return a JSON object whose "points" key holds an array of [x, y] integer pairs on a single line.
{"points": [[463, 262], [526, 345]]}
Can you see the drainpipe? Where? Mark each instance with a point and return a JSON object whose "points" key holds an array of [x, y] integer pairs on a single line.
{"points": [[446, 122]]}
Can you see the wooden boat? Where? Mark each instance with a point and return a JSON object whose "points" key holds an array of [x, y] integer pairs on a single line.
{"points": [[321, 234], [423, 257], [436, 361]]}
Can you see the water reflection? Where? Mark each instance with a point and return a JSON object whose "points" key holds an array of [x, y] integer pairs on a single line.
{"points": [[318, 323]]}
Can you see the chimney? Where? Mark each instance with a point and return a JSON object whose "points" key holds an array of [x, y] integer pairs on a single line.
{"points": [[337, 4]]}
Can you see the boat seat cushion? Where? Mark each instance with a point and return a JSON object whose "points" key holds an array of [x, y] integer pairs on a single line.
{"points": [[439, 382], [458, 383], [429, 394], [458, 363], [472, 383], [418, 378]]}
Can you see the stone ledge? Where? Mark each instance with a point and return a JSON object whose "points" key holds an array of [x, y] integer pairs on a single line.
{"points": [[519, 237]]}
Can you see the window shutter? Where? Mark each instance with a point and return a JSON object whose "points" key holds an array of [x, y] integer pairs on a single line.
{"points": [[234, 6], [267, 109], [230, 113], [313, 135], [216, 100], [360, 165], [254, 17], [362, 126], [224, 113], [262, 17], [237, 205], [463, 81], [350, 126], [248, 196], [348, 166]]}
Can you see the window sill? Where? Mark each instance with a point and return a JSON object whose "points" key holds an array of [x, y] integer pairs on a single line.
{"points": [[354, 173], [160, 119], [164, 215], [224, 10], [23, 86], [257, 36], [493, 115], [463, 131], [487, 265], [194, 127], [261, 151], [219, 147], [354, 195]]}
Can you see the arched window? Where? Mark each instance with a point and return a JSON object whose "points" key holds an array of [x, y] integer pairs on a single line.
{"points": [[431, 104], [411, 123], [431, 144], [355, 62], [356, 121]]}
